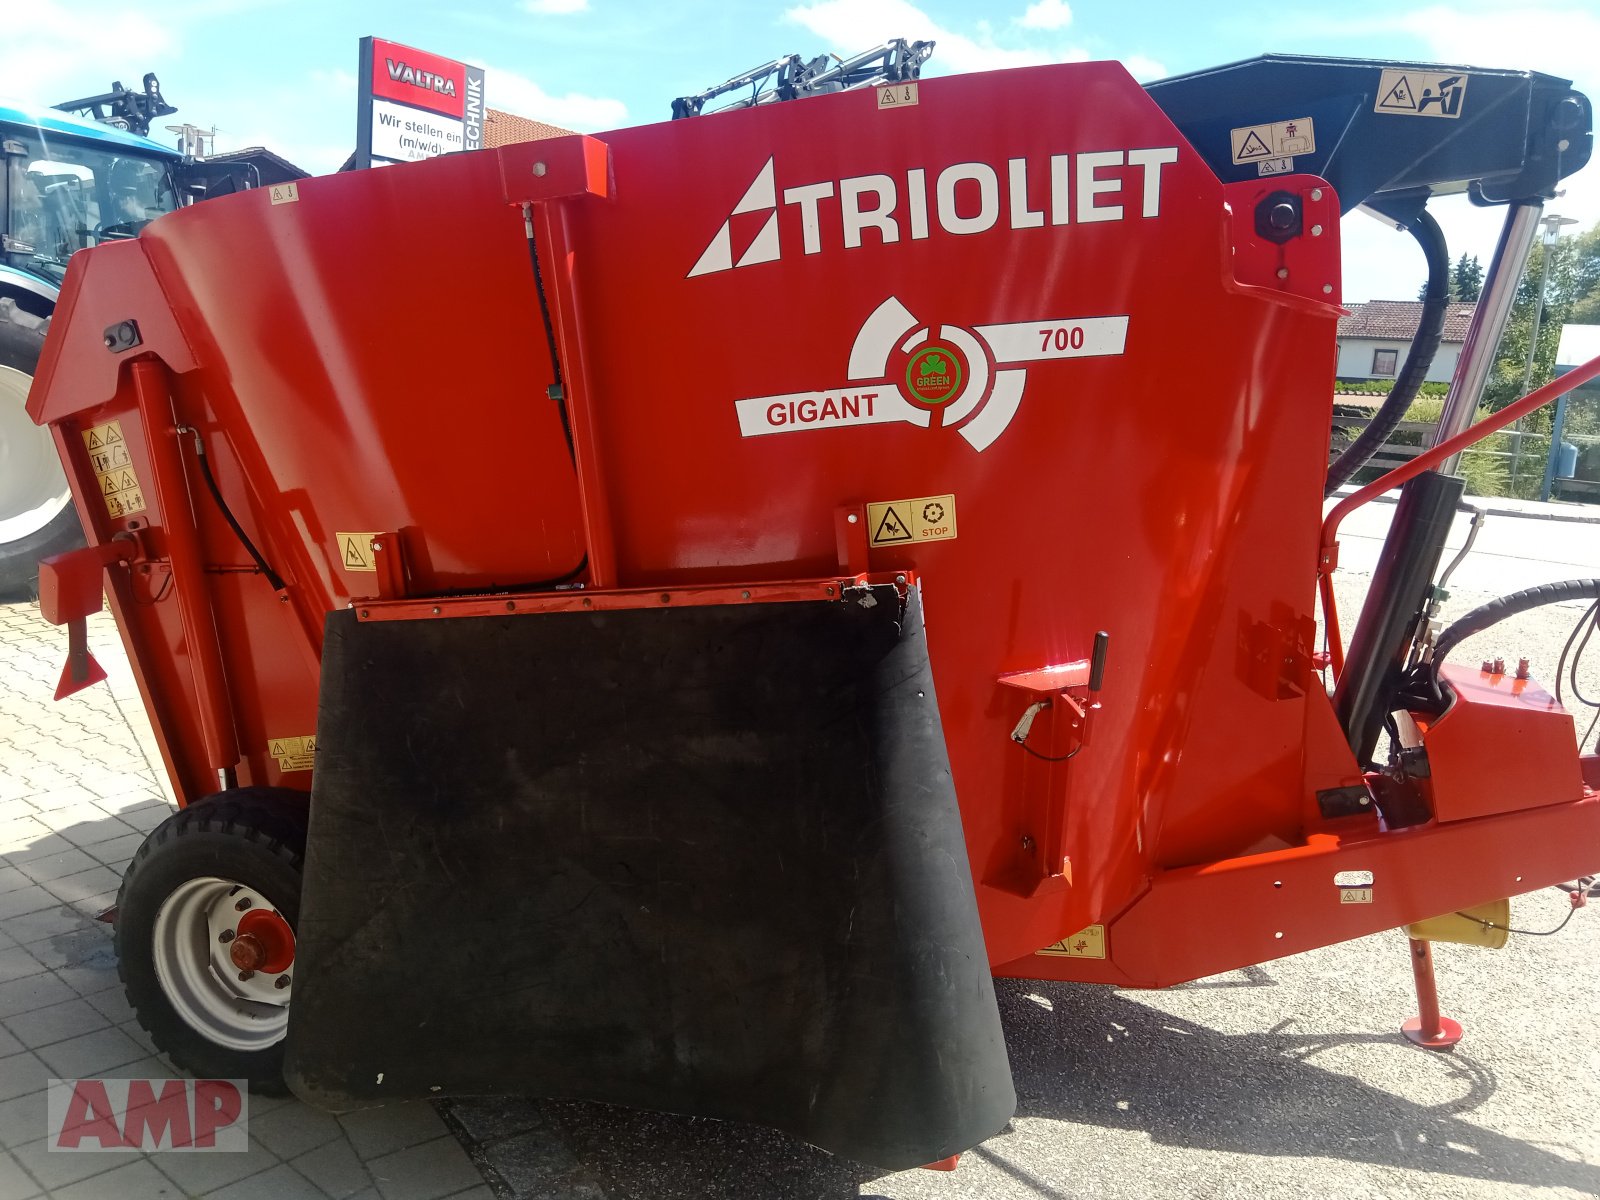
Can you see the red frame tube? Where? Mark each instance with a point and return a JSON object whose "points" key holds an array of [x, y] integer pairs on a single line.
{"points": [[1328, 557], [195, 609]]}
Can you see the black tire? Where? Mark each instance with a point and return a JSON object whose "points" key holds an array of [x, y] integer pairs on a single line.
{"points": [[252, 836], [21, 342]]}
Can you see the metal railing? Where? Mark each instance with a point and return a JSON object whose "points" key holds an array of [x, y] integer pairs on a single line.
{"points": [[1514, 462]]}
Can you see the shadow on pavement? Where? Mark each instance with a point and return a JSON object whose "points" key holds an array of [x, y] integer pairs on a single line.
{"points": [[1098, 1058], [1082, 1055], [1088, 1056]]}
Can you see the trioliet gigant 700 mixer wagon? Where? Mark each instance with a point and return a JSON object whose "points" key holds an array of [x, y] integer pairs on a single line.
{"points": [[662, 617]]}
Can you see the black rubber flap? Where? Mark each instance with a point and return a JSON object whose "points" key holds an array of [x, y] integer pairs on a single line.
{"points": [[702, 860]]}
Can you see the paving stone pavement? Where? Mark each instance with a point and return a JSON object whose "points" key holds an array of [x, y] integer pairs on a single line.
{"points": [[80, 785]]}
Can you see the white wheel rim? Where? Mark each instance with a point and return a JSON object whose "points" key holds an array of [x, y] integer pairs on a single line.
{"points": [[33, 487], [193, 929]]}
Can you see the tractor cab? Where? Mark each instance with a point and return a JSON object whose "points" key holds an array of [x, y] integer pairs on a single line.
{"points": [[71, 184]]}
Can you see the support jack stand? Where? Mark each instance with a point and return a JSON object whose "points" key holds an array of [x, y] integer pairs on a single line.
{"points": [[1428, 1028]]}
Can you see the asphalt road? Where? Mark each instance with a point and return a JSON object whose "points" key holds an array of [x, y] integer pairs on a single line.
{"points": [[1288, 1079]]}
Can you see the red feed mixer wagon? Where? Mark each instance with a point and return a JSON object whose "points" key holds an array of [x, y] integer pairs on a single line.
{"points": [[664, 617]]}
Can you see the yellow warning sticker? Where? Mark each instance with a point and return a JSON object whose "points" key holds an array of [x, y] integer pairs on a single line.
{"points": [[293, 753], [355, 551], [1086, 943], [899, 522], [1281, 139], [1406, 92], [897, 95], [113, 469]]}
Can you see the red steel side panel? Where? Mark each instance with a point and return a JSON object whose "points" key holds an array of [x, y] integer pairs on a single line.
{"points": [[1165, 494], [1013, 302]]}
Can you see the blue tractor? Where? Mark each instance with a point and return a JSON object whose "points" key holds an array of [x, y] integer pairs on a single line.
{"points": [[69, 181]]}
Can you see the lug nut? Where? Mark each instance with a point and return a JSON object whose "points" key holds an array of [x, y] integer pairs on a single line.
{"points": [[244, 903], [226, 936], [283, 982], [1499, 666], [1488, 666], [1522, 668], [245, 976]]}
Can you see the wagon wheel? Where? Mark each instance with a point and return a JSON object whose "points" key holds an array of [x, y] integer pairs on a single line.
{"points": [[205, 933]]}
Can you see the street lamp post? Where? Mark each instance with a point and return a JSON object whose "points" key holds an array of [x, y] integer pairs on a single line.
{"points": [[1552, 233]]}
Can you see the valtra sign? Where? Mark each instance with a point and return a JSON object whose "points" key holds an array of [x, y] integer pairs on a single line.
{"points": [[415, 105]]}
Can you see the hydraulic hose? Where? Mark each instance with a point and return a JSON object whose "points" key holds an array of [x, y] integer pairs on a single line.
{"points": [[1495, 611], [1430, 328]]}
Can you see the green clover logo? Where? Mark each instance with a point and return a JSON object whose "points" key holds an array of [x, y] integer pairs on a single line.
{"points": [[934, 365]]}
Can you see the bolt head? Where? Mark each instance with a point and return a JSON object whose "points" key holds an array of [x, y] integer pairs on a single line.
{"points": [[539, 168]]}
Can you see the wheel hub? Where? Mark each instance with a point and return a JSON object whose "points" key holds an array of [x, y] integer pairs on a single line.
{"points": [[222, 954], [263, 941]]}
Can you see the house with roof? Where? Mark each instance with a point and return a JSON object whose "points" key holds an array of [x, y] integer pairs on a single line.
{"points": [[1375, 336], [507, 129]]}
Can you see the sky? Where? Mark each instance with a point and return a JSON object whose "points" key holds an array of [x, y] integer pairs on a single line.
{"points": [[281, 73]]}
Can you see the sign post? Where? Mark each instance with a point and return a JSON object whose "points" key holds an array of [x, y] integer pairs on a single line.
{"points": [[415, 105]]}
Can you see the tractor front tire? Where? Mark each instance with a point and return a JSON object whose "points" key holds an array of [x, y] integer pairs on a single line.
{"points": [[205, 933], [37, 517]]}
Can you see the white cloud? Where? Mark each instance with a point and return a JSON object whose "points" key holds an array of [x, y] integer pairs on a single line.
{"points": [[1046, 14], [555, 8], [853, 25], [49, 49], [514, 93], [1555, 39], [309, 119], [1145, 69]]}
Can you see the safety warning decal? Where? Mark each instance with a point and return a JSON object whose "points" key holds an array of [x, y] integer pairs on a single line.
{"points": [[1421, 93], [113, 469], [1086, 943], [293, 753], [926, 519], [1279, 140], [897, 95], [355, 551]]}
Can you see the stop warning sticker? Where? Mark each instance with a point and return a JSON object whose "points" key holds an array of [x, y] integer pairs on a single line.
{"points": [[899, 522]]}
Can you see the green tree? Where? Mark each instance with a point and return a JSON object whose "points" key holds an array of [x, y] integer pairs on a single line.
{"points": [[1586, 279], [1572, 289], [1466, 279]]}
